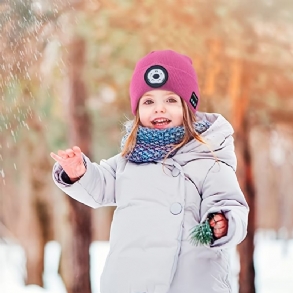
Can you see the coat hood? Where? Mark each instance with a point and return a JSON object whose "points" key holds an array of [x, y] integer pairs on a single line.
{"points": [[219, 142]]}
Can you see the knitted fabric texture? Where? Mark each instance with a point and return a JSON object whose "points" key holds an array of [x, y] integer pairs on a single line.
{"points": [[167, 70], [154, 144]]}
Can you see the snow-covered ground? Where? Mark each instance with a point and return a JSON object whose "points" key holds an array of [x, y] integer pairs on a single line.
{"points": [[273, 265], [273, 261], [13, 270]]}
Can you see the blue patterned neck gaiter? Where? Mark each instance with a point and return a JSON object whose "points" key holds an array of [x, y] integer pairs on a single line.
{"points": [[154, 144]]}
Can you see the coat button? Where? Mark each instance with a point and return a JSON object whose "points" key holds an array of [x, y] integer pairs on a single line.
{"points": [[176, 208]]}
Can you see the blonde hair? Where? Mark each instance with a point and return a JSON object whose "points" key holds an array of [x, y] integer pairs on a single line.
{"points": [[188, 123]]}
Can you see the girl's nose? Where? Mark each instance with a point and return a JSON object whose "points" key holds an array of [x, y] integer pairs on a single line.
{"points": [[160, 108]]}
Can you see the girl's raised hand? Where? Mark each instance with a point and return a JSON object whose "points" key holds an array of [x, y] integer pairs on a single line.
{"points": [[71, 161]]}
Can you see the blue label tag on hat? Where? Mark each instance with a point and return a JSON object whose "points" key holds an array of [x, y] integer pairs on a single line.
{"points": [[193, 100], [156, 76]]}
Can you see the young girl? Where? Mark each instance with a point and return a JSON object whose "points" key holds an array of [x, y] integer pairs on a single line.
{"points": [[175, 171]]}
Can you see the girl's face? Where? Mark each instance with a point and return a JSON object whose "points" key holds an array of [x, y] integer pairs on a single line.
{"points": [[160, 109]]}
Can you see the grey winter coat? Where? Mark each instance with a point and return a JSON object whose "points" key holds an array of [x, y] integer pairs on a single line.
{"points": [[157, 206]]}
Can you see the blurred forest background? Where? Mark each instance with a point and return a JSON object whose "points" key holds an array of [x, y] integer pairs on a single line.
{"points": [[65, 68]]}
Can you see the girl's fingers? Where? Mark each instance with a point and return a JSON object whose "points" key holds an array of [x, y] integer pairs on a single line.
{"points": [[219, 233], [220, 229], [219, 225], [62, 154], [212, 223], [69, 153], [56, 157], [76, 150], [219, 217], [216, 219]]}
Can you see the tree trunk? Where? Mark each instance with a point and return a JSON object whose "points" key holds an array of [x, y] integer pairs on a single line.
{"points": [[246, 248], [78, 280], [36, 228], [240, 108]]}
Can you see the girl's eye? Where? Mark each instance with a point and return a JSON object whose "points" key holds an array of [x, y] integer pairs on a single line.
{"points": [[171, 100], [148, 102]]}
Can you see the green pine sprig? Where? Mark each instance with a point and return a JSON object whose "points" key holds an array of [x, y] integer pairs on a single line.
{"points": [[202, 234]]}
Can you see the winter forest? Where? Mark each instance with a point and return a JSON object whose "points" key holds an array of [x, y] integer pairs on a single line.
{"points": [[65, 68]]}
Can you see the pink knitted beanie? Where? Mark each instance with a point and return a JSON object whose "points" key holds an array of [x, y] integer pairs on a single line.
{"points": [[166, 70]]}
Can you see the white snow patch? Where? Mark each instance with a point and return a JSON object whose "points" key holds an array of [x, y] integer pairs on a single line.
{"points": [[273, 260]]}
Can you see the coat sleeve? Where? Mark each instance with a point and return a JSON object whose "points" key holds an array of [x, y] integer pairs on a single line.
{"points": [[96, 187], [221, 193]]}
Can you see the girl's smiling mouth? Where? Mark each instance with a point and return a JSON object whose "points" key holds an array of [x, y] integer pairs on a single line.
{"points": [[160, 122]]}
